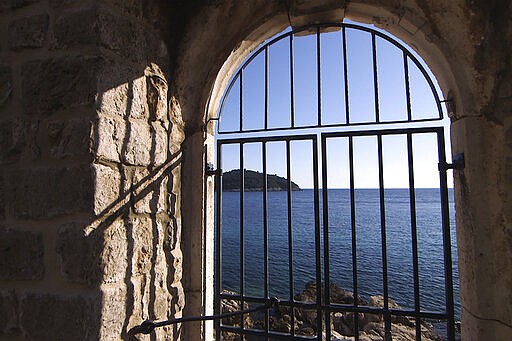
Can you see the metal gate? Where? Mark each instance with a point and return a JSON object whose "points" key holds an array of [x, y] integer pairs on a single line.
{"points": [[274, 240]]}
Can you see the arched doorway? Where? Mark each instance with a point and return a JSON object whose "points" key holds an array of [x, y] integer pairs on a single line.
{"points": [[332, 135]]}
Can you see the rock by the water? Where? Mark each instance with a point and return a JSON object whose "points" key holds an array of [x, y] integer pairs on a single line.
{"points": [[343, 328]]}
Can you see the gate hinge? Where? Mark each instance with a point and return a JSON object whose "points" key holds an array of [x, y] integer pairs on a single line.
{"points": [[458, 163], [210, 170]]}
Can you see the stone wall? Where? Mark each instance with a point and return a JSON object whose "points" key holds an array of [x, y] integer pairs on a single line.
{"points": [[95, 163], [90, 164]]}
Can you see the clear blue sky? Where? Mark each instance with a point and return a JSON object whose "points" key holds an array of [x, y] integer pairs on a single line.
{"points": [[392, 106]]}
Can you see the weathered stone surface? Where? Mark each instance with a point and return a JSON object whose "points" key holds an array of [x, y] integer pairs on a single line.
{"points": [[21, 255], [121, 36], [68, 138], [123, 91], [75, 29], [71, 317], [50, 192], [18, 140], [139, 144], [148, 193], [8, 312], [28, 32], [61, 83], [99, 257], [107, 184], [5, 84], [109, 138], [116, 299], [79, 254], [9, 4]]}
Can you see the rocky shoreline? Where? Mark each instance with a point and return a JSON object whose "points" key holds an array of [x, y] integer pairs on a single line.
{"points": [[370, 326]]}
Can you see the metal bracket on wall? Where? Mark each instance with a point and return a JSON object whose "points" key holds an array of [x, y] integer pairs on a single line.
{"points": [[458, 163], [210, 170]]}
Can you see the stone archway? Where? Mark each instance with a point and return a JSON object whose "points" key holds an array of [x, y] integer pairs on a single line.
{"points": [[454, 46]]}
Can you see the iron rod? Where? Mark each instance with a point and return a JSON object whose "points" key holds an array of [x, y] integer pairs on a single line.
{"points": [[354, 231], [375, 79], [446, 238], [345, 76], [387, 317], [317, 241], [414, 233], [242, 232], [290, 233], [325, 202], [319, 78], [218, 245], [265, 230], [292, 85]]}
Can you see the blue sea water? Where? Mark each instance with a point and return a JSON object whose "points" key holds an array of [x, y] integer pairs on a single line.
{"points": [[368, 244]]}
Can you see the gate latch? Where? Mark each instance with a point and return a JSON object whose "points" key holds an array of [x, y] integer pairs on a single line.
{"points": [[458, 163], [210, 170]]}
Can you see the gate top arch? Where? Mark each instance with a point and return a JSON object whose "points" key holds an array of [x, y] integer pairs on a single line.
{"points": [[235, 92]]}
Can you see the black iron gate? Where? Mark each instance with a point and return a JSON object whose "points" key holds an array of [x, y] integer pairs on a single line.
{"points": [[313, 304]]}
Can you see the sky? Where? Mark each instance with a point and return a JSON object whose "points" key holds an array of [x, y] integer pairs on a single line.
{"points": [[392, 106]]}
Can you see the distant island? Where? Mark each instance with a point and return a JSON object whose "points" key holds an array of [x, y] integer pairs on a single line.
{"points": [[253, 182]]}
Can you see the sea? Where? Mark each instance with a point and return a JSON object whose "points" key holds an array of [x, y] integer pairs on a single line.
{"points": [[368, 244]]}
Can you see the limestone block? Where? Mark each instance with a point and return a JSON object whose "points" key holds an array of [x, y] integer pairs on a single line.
{"points": [[121, 36], [115, 301], [5, 84], [60, 83], [18, 140], [107, 185], [145, 241], [28, 32], [97, 257], [123, 91], [43, 193], [79, 254], [75, 29], [21, 255], [8, 312], [9, 4], [68, 138], [71, 317], [148, 192], [160, 138], [109, 138], [157, 94], [140, 148]]}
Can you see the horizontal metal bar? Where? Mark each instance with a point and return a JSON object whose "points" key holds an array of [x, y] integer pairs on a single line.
{"points": [[267, 139], [402, 131], [330, 125]]}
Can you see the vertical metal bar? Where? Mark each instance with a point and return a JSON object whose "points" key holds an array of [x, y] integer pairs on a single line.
{"points": [[319, 319], [375, 79], [407, 88], [387, 317], [345, 75], [414, 234], [353, 227], [319, 78], [218, 245], [266, 87], [292, 86], [446, 237], [242, 228], [241, 128], [290, 234], [265, 233], [325, 201]]}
